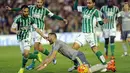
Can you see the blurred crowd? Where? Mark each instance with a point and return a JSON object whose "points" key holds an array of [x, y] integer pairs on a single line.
{"points": [[63, 8]]}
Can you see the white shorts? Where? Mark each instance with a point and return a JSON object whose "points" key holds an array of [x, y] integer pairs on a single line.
{"points": [[109, 32], [36, 37], [83, 38], [25, 44]]}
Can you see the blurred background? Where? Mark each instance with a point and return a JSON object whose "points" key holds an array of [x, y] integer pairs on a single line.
{"points": [[63, 8]]}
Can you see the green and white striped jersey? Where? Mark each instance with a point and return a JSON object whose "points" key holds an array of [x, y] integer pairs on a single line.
{"points": [[110, 14], [23, 26], [89, 18], [39, 15]]}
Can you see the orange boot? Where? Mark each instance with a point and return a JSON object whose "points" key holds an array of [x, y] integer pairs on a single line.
{"points": [[111, 66]]}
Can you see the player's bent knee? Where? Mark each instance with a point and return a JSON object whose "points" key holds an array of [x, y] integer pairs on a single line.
{"points": [[95, 49], [36, 45], [76, 46], [40, 47], [26, 53]]}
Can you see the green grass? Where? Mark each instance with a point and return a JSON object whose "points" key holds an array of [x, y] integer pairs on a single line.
{"points": [[10, 60]]}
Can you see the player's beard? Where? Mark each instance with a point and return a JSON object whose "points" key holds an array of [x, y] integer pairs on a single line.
{"points": [[25, 15], [51, 42]]}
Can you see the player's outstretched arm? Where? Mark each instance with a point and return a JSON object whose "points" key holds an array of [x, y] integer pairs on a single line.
{"points": [[59, 18], [12, 9], [78, 8], [39, 31], [47, 61], [75, 4], [98, 17], [14, 30], [104, 15], [53, 16]]}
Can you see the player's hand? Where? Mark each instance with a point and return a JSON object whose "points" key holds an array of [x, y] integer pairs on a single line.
{"points": [[8, 8], [105, 21], [41, 66], [66, 22]]}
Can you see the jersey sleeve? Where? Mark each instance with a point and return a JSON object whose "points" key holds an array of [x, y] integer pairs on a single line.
{"points": [[76, 7], [117, 10], [34, 26], [98, 15], [49, 13], [103, 13], [102, 9], [119, 14], [15, 23], [30, 6], [33, 23], [79, 8]]}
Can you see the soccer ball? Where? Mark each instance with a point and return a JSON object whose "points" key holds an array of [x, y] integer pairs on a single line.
{"points": [[82, 69]]}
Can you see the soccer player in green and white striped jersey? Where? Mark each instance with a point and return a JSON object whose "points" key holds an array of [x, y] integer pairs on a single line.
{"points": [[22, 27], [90, 16], [109, 29], [38, 12]]}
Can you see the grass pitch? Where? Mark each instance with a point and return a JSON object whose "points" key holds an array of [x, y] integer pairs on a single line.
{"points": [[10, 60]]}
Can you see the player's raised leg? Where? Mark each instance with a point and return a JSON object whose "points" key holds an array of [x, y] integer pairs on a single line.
{"points": [[38, 47], [76, 46], [25, 48]]}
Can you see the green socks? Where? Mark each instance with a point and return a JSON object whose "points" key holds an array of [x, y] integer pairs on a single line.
{"points": [[34, 60], [35, 52], [112, 49], [101, 57], [24, 61], [46, 52], [32, 56]]}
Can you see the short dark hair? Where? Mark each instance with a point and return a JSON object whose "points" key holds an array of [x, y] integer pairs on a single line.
{"points": [[93, 1], [24, 6], [54, 34]]}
